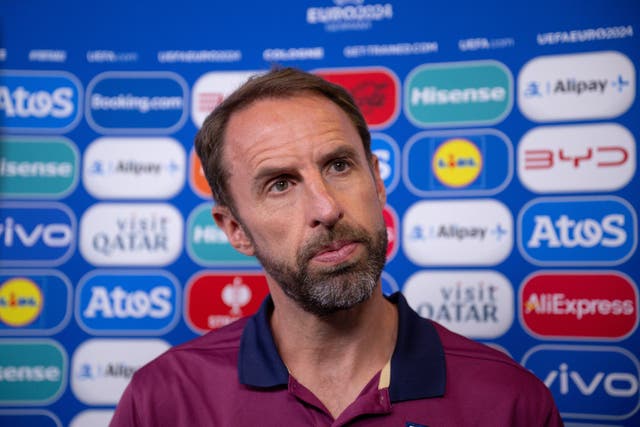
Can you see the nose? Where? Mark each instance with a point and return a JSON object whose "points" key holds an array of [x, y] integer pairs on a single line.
{"points": [[322, 206]]}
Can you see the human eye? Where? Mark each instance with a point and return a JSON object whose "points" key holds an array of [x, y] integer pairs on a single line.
{"points": [[278, 185], [340, 165]]}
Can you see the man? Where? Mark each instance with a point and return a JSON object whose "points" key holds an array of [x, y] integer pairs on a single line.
{"points": [[289, 162]]}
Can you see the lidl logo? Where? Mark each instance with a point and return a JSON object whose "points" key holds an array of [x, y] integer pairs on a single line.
{"points": [[102, 368], [136, 102], [477, 304], [388, 154], [37, 167], [458, 94], [127, 303], [593, 157], [579, 305], [39, 101], [35, 234], [578, 231], [33, 303], [134, 168], [212, 88], [208, 245], [135, 234], [457, 232], [197, 178], [595, 383], [580, 86], [215, 299], [473, 162], [376, 91], [31, 372]]}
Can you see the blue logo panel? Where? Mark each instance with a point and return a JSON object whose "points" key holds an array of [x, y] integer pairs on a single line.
{"points": [[37, 101], [588, 382], [28, 418], [139, 102], [36, 234], [128, 303], [565, 231], [388, 153], [474, 162]]}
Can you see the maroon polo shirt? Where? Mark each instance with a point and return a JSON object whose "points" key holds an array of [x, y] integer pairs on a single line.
{"points": [[235, 377]]}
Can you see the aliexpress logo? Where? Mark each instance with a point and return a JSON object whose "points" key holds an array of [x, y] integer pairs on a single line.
{"points": [[579, 305]]}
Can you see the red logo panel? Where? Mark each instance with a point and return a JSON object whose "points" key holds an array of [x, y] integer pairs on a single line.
{"points": [[375, 91], [579, 305], [391, 221], [216, 299]]}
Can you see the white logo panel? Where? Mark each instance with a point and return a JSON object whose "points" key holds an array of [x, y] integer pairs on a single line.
{"points": [[461, 232], [598, 157], [102, 368], [579, 86], [92, 418], [134, 168], [212, 88], [131, 234], [477, 304]]}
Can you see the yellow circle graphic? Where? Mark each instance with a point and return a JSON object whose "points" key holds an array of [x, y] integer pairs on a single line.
{"points": [[20, 302], [457, 163]]}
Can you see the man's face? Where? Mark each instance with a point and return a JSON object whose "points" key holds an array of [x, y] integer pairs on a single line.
{"points": [[308, 202]]}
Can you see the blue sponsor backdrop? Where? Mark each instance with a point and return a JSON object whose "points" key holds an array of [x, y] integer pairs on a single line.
{"points": [[86, 70]]}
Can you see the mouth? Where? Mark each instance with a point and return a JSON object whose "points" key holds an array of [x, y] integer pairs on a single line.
{"points": [[336, 252]]}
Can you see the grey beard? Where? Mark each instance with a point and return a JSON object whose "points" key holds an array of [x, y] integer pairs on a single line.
{"points": [[335, 288]]}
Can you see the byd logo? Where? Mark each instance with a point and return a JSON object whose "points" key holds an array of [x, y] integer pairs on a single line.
{"points": [[588, 382], [36, 234], [563, 231], [37, 101], [136, 303], [579, 305]]}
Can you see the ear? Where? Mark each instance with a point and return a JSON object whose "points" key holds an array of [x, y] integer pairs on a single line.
{"points": [[233, 229], [382, 192]]}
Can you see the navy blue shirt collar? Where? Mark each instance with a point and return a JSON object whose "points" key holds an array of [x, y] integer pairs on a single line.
{"points": [[417, 364]]}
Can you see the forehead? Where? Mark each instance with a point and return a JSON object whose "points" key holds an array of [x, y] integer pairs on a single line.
{"points": [[288, 124]]}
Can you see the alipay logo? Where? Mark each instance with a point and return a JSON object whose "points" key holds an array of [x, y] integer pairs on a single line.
{"points": [[135, 303], [39, 101], [35, 234], [588, 382], [578, 86], [38, 167], [574, 231], [458, 94]]}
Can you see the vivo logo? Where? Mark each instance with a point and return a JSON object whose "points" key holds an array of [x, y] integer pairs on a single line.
{"points": [[36, 234], [562, 231], [588, 382]]}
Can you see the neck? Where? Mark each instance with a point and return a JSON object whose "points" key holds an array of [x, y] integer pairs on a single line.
{"points": [[338, 354]]}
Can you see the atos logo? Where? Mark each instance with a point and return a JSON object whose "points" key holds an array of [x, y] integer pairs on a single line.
{"points": [[376, 91], [588, 382], [477, 304], [136, 102], [388, 154], [132, 303], [33, 303], [208, 245], [579, 86], [589, 231], [458, 94], [36, 234], [214, 300], [39, 101], [579, 305], [596, 157], [473, 162], [212, 88], [469, 232]]}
